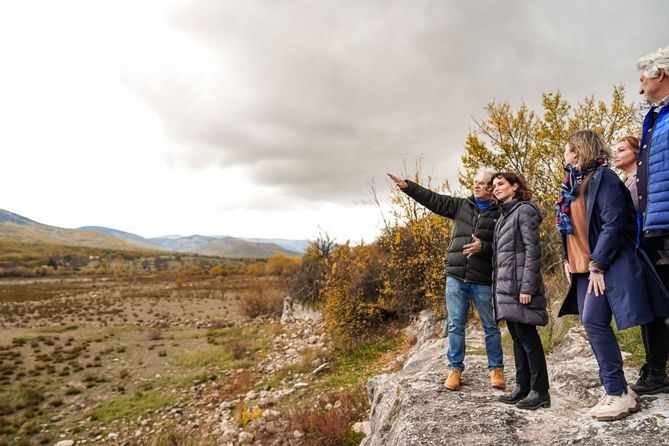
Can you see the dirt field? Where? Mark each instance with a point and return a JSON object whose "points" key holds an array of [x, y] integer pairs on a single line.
{"points": [[80, 350]]}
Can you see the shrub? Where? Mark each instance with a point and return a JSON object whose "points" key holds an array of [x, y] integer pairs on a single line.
{"points": [[217, 271], [307, 280], [244, 414], [155, 334], [262, 301], [280, 265], [238, 348], [350, 291]]}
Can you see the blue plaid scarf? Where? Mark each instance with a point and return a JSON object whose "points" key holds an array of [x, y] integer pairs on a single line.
{"points": [[569, 191]]}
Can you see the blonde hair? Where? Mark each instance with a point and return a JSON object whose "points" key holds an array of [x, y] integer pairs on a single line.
{"points": [[589, 146]]}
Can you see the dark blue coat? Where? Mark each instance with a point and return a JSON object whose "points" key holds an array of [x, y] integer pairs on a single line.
{"points": [[632, 286]]}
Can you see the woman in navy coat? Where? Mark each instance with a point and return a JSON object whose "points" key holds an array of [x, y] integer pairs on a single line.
{"points": [[596, 219]]}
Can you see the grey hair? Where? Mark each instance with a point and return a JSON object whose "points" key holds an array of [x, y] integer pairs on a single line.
{"points": [[485, 171], [651, 64]]}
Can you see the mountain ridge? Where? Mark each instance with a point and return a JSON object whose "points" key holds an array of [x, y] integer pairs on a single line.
{"points": [[15, 227]]}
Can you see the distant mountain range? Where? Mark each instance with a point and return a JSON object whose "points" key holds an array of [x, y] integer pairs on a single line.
{"points": [[219, 245], [21, 229]]}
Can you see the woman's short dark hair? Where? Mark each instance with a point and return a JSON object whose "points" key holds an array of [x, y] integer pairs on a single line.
{"points": [[523, 192]]}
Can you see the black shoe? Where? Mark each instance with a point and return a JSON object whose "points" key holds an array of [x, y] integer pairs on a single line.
{"points": [[513, 397], [534, 401], [651, 380]]}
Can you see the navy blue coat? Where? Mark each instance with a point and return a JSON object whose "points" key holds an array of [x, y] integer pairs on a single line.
{"points": [[633, 288]]}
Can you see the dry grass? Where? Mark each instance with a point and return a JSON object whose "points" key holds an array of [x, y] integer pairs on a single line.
{"points": [[240, 383], [329, 422]]}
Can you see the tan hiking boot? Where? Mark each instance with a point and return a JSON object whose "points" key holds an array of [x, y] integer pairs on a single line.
{"points": [[497, 379], [614, 407], [453, 380]]}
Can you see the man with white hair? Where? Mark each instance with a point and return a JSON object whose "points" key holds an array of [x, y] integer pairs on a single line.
{"points": [[468, 269], [653, 189]]}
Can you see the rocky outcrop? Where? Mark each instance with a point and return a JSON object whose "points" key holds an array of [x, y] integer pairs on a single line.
{"points": [[296, 312], [411, 407]]}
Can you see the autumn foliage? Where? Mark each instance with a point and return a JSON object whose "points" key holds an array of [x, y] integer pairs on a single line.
{"points": [[350, 288]]}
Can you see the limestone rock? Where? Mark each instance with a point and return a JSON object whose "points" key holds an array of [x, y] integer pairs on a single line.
{"points": [[411, 406], [294, 311]]}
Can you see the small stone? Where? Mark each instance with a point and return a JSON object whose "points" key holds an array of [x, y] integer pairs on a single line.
{"points": [[65, 443], [361, 427], [268, 413], [228, 404], [298, 434], [245, 437], [320, 368]]}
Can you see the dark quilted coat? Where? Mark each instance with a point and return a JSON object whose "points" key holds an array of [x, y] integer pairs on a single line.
{"points": [[467, 220], [517, 265]]}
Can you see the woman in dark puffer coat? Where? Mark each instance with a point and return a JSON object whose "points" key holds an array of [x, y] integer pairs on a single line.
{"points": [[519, 289]]}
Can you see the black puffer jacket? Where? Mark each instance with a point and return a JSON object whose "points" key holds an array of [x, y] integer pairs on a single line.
{"points": [[467, 220], [517, 264]]}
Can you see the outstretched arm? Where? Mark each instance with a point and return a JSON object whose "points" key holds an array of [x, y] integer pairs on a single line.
{"points": [[444, 205]]}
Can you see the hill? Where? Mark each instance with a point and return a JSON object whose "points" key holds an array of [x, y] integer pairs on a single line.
{"points": [[16, 228]]}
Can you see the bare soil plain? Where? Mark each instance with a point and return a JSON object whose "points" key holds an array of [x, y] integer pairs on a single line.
{"points": [[82, 352]]}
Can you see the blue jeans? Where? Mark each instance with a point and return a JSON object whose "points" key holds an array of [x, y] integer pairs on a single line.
{"points": [[457, 304]]}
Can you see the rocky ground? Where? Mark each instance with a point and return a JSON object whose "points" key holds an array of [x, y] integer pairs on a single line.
{"points": [[202, 413], [411, 407]]}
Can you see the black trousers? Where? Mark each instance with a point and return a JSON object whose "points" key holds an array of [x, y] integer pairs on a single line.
{"points": [[655, 335], [531, 371]]}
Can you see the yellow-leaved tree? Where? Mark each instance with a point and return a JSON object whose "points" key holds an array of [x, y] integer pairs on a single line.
{"points": [[532, 144]]}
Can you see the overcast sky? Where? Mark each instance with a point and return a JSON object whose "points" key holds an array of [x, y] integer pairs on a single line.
{"points": [[270, 119]]}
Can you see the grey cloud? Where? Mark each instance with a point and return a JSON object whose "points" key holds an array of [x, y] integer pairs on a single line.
{"points": [[337, 91]]}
